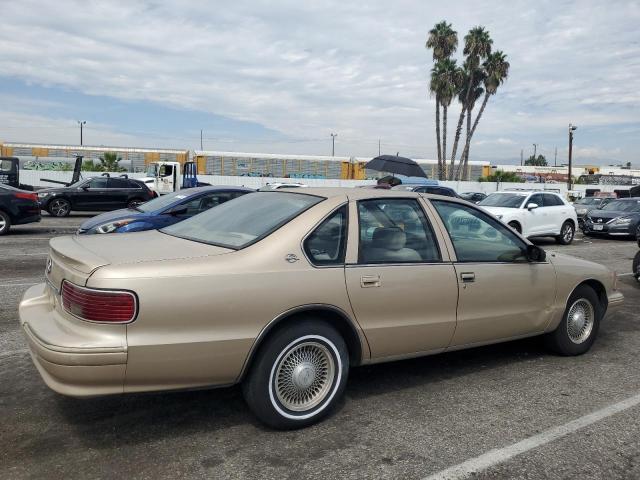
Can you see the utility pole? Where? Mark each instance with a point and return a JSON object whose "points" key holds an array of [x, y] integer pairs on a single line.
{"points": [[201, 149], [571, 130], [333, 144], [521, 156], [378, 147], [555, 158], [81, 123], [535, 149]]}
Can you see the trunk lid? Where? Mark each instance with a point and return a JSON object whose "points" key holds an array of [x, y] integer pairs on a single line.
{"points": [[77, 257]]}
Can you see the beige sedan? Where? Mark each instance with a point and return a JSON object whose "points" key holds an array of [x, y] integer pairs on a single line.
{"points": [[284, 291]]}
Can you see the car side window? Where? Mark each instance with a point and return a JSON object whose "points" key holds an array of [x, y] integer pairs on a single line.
{"points": [[117, 183], [478, 237], [551, 200], [98, 182], [395, 231], [133, 184], [537, 199], [326, 245]]}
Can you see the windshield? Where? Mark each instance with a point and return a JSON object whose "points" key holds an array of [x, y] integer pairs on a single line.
{"points": [[622, 206], [151, 170], [505, 200], [161, 202], [588, 201], [244, 220]]}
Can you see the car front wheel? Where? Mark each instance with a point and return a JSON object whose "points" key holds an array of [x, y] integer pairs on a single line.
{"points": [[636, 266], [298, 376], [567, 232], [579, 326]]}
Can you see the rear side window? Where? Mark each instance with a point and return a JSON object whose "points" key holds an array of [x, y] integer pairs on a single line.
{"points": [[327, 244], [395, 231], [551, 200], [118, 183], [133, 184]]}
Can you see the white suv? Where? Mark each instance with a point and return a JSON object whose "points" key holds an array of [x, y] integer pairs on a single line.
{"points": [[534, 213]]}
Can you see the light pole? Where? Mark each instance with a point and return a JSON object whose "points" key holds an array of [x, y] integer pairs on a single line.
{"points": [[571, 130], [535, 149], [333, 144], [81, 123]]}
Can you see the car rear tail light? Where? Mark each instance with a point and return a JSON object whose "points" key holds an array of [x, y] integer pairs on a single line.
{"points": [[27, 196], [94, 305]]}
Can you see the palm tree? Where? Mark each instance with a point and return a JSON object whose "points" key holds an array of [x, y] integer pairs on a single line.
{"points": [[496, 70], [444, 42], [477, 46], [446, 79], [470, 102], [109, 162]]}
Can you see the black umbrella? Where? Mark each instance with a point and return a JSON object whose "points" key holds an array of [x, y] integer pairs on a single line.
{"points": [[396, 165]]}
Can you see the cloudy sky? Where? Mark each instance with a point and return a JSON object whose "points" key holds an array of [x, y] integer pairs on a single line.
{"points": [[281, 76]]}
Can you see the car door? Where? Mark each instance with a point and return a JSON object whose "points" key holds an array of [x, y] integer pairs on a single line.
{"points": [[502, 294], [402, 288], [91, 195], [536, 220], [117, 195], [557, 210]]}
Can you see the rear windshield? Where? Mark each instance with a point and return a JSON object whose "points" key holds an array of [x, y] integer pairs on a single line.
{"points": [[505, 200], [243, 220]]}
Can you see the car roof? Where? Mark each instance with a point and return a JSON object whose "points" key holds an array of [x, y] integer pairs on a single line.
{"points": [[214, 188], [359, 193]]}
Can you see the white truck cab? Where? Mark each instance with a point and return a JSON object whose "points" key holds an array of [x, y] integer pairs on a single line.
{"points": [[163, 177]]}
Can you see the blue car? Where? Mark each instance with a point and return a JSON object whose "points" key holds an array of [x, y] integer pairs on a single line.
{"points": [[162, 211]]}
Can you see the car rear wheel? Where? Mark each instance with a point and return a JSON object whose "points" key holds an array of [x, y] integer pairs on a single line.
{"points": [[516, 226], [134, 203], [5, 223], [636, 266], [298, 376], [59, 207], [579, 326], [567, 232]]}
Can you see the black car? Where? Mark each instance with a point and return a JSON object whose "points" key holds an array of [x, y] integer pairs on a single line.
{"points": [[98, 194], [433, 189], [473, 197], [17, 207], [619, 217]]}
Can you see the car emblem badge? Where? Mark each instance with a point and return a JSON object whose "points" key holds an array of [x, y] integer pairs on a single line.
{"points": [[291, 258], [599, 220], [49, 265]]}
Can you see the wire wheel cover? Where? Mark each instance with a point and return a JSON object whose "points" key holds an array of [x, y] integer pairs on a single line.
{"points": [[304, 376], [567, 233], [580, 321]]}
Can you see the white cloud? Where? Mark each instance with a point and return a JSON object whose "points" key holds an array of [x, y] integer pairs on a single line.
{"points": [[358, 68]]}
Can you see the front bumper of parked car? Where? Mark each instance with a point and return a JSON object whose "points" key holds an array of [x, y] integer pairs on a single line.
{"points": [[608, 228], [71, 361]]}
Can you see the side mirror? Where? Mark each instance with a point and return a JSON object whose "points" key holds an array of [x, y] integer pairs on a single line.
{"points": [[536, 254], [531, 206]]}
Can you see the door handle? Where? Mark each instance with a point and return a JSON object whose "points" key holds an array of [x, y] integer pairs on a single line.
{"points": [[468, 277], [368, 281]]}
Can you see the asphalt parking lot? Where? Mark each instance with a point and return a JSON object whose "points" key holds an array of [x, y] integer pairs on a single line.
{"points": [[409, 419]]}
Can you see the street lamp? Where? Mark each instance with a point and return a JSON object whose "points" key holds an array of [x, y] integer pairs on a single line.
{"points": [[333, 144], [535, 149], [572, 128], [81, 123]]}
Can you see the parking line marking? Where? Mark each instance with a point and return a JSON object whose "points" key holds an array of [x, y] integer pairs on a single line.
{"points": [[30, 254], [501, 455], [18, 284]]}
